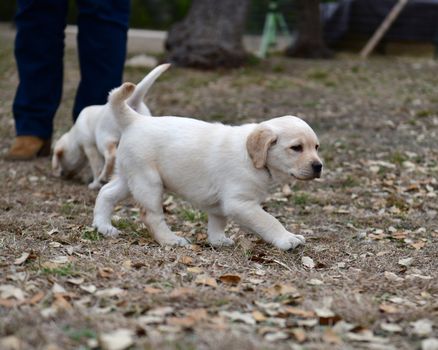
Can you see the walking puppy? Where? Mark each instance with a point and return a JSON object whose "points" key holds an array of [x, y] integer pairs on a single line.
{"points": [[224, 170], [95, 135]]}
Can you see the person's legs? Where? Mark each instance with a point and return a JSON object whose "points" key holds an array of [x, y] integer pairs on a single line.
{"points": [[39, 49], [103, 26]]}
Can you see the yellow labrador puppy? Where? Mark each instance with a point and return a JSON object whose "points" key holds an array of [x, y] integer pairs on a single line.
{"points": [[95, 135], [224, 170]]}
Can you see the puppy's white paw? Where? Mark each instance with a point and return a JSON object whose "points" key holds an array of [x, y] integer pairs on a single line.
{"points": [[95, 185], [289, 241], [221, 241], [107, 230], [175, 241]]}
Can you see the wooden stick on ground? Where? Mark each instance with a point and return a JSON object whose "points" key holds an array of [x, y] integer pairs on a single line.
{"points": [[378, 34]]}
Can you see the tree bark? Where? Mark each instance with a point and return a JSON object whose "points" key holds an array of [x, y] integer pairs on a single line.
{"points": [[210, 36], [310, 42]]}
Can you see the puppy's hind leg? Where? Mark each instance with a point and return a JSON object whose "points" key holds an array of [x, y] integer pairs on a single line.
{"points": [[96, 164], [147, 190], [216, 228], [108, 196], [110, 159]]}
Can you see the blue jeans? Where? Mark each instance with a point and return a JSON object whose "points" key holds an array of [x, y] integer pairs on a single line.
{"points": [[39, 51]]}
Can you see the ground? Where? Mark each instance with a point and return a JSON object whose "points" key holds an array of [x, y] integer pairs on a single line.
{"points": [[366, 278]]}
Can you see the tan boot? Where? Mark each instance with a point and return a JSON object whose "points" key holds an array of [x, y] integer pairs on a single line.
{"points": [[28, 148]]}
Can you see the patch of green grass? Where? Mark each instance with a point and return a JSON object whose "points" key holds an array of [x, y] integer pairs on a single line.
{"points": [[79, 335], [91, 234], [318, 74], [396, 201], [125, 224], [349, 181], [301, 199], [278, 68], [355, 69], [397, 158], [192, 215], [424, 113], [68, 209], [65, 270], [253, 60]]}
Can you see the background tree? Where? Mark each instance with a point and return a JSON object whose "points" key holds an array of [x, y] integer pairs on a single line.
{"points": [[310, 42], [210, 36]]}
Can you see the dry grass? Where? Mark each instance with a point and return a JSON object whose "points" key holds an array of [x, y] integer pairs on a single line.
{"points": [[376, 204]]}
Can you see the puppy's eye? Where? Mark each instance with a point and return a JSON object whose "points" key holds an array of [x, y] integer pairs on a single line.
{"points": [[298, 148], [317, 147]]}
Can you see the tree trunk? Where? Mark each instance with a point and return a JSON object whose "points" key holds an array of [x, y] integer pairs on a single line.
{"points": [[309, 43], [210, 36]]}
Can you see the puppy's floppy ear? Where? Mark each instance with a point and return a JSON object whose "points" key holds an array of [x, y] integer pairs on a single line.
{"points": [[258, 144], [56, 161]]}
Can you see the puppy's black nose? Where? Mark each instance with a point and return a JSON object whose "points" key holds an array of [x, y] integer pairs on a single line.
{"points": [[317, 167]]}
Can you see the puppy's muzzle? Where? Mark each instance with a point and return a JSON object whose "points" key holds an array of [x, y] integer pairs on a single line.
{"points": [[317, 169]]}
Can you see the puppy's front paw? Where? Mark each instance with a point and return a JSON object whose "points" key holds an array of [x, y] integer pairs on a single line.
{"points": [[174, 241], [95, 185], [289, 241], [107, 230], [221, 242]]}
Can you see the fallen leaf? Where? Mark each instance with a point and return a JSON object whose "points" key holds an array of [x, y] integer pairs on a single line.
{"points": [[61, 302], [110, 292], [206, 281], [90, 288], [271, 337], [105, 272], [76, 281], [36, 298], [150, 319], [186, 260], [315, 282], [230, 279], [299, 312], [331, 337], [391, 276], [182, 291], [422, 327], [11, 343], [22, 258], [391, 327], [127, 264], [299, 334], [258, 316], [418, 245], [388, 308], [311, 322], [152, 290], [366, 336], [161, 311], [58, 289], [119, 339], [239, 316], [8, 291], [326, 316], [429, 344], [281, 289], [405, 262], [61, 259], [185, 322], [194, 270], [308, 262]]}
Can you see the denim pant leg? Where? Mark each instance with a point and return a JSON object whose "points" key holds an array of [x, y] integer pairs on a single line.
{"points": [[39, 50], [102, 38]]}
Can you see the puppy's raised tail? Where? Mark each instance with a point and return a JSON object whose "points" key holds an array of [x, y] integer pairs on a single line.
{"points": [[123, 114], [143, 87]]}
